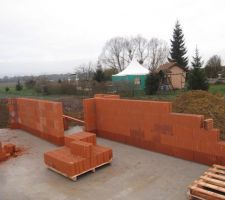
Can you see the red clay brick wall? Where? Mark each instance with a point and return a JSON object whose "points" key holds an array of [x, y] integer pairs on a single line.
{"points": [[152, 125], [90, 114], [42, 118]]}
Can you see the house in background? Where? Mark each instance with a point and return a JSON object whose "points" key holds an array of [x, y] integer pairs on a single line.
{"points": [[175, 74], [134, 73]]}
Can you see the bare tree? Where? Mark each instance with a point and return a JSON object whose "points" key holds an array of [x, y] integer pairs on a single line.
{"points": [[158, 53], [113, 54], [213, 66], [141, 48], [129, 48], [118, 52], [85, 71]]}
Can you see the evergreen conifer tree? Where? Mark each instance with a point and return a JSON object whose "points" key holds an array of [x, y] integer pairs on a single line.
{"points": [[178, 49], [197, 79], [99, 74]]}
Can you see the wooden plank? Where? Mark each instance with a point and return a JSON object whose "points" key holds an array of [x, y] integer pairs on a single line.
{"points": [[81, 122], [213, 195], [216, 170], [74, 178], [219, 167], [213, 181], [92, 169], [214, 187], [215, 175], [194, 197]]}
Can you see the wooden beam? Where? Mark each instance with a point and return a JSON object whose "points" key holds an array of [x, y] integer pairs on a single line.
{"points": [[81, 122], [219, 167], [216, 170], [213, 181], [208, 193], [214, 187], [215, 175]]}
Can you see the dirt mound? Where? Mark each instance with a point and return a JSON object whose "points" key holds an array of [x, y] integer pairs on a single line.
{"points": [[204, 103]]}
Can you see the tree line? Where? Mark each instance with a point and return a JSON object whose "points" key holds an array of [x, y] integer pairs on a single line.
{"points": [[118, 52]]}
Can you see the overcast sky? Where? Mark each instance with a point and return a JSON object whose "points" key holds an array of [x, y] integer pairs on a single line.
{"points": [[54, 36]]}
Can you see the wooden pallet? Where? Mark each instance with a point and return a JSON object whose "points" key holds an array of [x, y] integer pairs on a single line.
{"points": [[210, 186], [74, 178]]}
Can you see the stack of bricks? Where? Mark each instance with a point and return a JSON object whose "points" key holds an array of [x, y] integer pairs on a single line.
{"points": [[79, 155], [152, 125], [39, 117], [3, 154], [6, 151]]}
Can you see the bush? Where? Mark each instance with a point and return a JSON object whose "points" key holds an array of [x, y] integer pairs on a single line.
{"points": [[219, 82], [19, 86], [7, 89], [67, 87], [197, 80], [99, 75], [50, 88], [29, 84], [152, 83], [125, 88]]}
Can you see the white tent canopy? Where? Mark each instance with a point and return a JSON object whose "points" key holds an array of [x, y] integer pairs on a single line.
{"points": [[134, 68]]}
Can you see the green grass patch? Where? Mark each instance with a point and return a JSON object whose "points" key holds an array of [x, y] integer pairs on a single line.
{"points": [[14, 93], [217, 88]]}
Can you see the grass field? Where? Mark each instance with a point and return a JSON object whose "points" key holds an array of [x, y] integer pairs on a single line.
{"points": [[220, 88]]}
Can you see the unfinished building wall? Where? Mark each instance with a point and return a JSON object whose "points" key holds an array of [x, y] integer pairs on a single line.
{"points": [[39, 117], [153, 126]]}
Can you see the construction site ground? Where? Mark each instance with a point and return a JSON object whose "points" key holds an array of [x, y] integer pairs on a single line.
{"points": [[134, 174]]}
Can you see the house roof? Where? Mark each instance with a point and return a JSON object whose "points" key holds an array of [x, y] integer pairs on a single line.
{"points": [[169, 65], [134, 68]]}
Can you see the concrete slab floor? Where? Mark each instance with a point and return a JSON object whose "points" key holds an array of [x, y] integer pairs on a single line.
{"points": [[134, 174]]}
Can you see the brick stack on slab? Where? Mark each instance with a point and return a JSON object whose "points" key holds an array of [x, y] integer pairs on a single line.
{"points": [[3, 154], [79, 155]]}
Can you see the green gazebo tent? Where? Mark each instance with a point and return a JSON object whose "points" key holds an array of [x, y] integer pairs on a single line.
{"points": [[134, 73]]}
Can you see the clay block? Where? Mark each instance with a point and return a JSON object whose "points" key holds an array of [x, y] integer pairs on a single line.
{"points": [[9, 148], [79, 157], [208, 124], [204, 158], [63, 160], [99, 153], [183, 153], [89, 114], [194, 121], [39, 117], [81, 136], [82, 149], [65, 124], [3, 156]]}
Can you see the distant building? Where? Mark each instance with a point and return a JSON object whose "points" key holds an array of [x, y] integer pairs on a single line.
{"points": [[175, 74]]}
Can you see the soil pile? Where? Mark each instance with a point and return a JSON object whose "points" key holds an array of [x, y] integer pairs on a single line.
{"points": [[204, 103]]}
